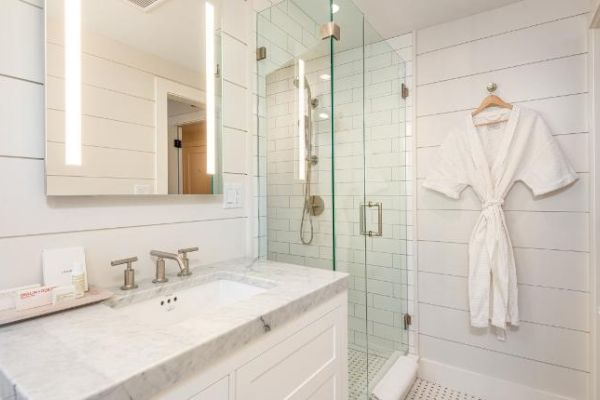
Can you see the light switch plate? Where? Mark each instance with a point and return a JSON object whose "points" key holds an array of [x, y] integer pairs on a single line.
{"points": [[232, 195]]}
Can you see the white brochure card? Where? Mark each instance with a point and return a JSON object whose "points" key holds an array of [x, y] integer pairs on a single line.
{"points": [[58, 264]]}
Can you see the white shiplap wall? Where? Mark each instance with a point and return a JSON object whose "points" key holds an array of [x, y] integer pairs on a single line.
{"points": [[118, 103], [111, 227], [536, 50]]}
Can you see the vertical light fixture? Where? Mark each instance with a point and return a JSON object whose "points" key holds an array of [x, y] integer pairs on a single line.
{"points": [[301, 122], [72, 82], [209, 15]]}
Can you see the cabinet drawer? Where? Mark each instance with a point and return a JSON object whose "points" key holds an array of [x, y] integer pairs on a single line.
{"points": [[297, 367]]}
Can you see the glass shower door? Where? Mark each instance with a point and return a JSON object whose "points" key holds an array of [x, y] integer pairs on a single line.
{"points": [[330, 165], [385, 206], [370, 194]]}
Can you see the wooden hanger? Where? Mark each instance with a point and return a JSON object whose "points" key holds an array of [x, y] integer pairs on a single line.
{"points": [[492, 101]]}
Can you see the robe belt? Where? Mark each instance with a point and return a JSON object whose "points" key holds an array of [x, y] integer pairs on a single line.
{"points": [[492, 203]]}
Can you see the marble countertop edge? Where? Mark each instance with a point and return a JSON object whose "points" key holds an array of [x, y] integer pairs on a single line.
{"points": [[236, 325]]}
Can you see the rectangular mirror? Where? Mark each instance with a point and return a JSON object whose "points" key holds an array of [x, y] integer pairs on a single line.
{"points": [[133, 97]]}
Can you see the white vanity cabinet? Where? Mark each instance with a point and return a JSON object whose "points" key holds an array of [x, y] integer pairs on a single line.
{"points": [[217, 391], [304, 359]]}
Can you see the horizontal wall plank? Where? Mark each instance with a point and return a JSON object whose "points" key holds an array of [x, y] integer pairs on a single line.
{"points": [[549, 378], [564, 115], [103, 132], [234, 145], [27, 211], [22, 40], [516, 16], [235, 59], [103, 103], [520, 198], [235, 19], [555, 307], [123, 163], [521, 83], [562, 347], [234, 113], [102, 246], [554, 230], [103, 47], [575, 147], [569, 37], [21, 118], [103, 73], [537, 267], [89, 186], [546, 230]]}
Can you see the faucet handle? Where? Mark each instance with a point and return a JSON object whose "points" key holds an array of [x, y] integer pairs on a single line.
{"points": [[127, 261], [186, 261], [128, 274], [187, 250]]}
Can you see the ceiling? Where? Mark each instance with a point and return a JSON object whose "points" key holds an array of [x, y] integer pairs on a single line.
{"points": [[396, 17], [178, 107]]}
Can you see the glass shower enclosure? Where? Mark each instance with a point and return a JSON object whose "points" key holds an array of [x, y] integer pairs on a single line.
{"points": [[331, 166]]}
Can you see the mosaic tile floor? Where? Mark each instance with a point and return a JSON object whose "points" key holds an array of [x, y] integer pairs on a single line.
{"points": [[357, 370], [421, 390], [425, 390]]}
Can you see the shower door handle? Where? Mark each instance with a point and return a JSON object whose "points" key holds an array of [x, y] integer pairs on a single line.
{"points": [[363, 219]]}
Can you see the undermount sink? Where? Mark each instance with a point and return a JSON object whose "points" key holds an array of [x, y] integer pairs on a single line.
{"points": [[179, 305]]}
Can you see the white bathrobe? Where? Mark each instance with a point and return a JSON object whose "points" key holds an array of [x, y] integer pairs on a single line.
{"points": [[491, 159]]}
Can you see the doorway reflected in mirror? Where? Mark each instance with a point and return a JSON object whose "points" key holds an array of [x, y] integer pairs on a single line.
{"points": [[187, 148]]}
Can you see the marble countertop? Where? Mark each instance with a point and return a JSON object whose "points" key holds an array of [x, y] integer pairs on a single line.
{"points": [[96, 353]]}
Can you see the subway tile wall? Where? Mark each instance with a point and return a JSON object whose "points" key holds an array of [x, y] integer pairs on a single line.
{"points": [[382, 168]]}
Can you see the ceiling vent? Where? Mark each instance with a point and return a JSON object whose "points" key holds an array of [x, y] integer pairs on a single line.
{"points": [[145, 5]]}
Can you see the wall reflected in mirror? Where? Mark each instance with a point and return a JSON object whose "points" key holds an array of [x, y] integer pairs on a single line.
{"points": [[133, 97]]}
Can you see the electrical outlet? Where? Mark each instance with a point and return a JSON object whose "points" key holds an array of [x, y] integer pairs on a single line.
{"points": [[142, 189]]}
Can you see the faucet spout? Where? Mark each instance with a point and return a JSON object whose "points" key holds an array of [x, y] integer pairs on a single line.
{"points": [[170, 256]]}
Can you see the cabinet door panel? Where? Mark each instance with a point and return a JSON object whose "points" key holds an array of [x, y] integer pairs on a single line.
{"points": [[217, 391], [295, 367], [325, 392]]}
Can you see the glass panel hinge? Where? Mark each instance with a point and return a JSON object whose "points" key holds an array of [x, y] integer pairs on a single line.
{"points": [[407, 321], [261, 53], [330, 29], [405, 91]]}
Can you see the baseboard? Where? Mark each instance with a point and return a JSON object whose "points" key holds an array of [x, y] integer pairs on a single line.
{"points": [[484, 386]]}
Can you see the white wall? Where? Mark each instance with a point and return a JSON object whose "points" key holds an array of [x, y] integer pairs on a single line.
{"points": [[118, 106], [112, 227], [536, 51]]}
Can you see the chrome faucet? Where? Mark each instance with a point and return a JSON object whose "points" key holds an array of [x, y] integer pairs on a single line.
{"points": [[160, 265]]}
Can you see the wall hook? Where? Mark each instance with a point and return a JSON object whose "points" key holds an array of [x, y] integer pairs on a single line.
{"points": [[492, 87]]}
